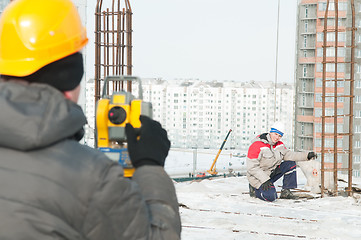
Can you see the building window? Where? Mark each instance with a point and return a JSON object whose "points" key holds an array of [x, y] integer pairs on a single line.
{"points": [[306, 26], [304, 86], [318, 127], [304, 70], [303, 100], [340, 83], [357, 128], [330, 35], [331, 22], [322, 6], [318, 112], [342, 37], [358, 99], [342, 6], [318, 142], [358, 84], [329, 128], [357, 114], [330, 52], [341, 67], [358, 68], [330, 67], [320, 37], [319, 67], [319, 52], [329, 111], [305, 41], [358, 53]]}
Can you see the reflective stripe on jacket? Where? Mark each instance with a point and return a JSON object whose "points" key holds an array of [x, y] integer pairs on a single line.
{"points": [[264, 156]]}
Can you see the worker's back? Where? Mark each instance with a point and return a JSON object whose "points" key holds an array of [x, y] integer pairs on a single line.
{"points": [[54, 188]]}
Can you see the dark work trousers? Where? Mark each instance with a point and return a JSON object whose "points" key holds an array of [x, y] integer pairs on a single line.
{"points": [[287, 169]]}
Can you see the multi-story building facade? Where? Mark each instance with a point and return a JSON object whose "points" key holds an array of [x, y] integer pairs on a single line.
{"points": [[199, 114], [309, 77]]}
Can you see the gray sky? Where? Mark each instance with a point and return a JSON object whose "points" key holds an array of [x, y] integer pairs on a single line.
{"points": [[213, 40]]}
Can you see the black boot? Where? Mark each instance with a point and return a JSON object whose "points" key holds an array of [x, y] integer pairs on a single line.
{"points": [[252, 191], [287, 194]]}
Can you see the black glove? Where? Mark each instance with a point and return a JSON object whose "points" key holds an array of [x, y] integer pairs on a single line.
{"points": [[276, 171], [311, 155], [267, 185], [152, 146]]}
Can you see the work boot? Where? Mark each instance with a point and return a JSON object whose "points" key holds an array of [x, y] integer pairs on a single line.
{"points": [[252, 191], [287, 194]]}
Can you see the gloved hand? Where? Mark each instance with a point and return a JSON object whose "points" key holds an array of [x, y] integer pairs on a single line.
{"points": [[267, 185], [311, 155], [152, 146]]}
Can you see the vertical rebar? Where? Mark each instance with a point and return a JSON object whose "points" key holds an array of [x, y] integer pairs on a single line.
{"points": [[113, 27], [97, 49], [323, 100], [122, 53], [352, 81], [129, 44], [335, 135]]}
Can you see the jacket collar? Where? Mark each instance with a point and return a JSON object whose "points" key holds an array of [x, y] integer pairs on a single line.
{"points": [[36, 115]]}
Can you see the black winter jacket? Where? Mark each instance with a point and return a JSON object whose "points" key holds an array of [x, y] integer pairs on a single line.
{"points": [[52, 187]]}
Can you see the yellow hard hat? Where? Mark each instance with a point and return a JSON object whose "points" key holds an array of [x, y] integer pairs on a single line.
{"points": [[34, 33]]}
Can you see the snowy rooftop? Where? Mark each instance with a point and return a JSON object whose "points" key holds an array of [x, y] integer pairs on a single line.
{"points": [[221, 208]]}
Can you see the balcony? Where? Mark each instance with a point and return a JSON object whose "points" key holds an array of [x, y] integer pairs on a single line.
{"points": [[306, 91], [308, 47], [305, 136]]}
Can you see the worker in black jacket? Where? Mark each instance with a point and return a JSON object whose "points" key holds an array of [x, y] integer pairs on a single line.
{"points": [[52, 187]]}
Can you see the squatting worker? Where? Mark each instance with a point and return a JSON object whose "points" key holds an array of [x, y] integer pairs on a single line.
{"points": [[52, 187], [268, 160]]}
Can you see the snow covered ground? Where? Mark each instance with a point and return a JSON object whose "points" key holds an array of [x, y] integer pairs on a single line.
{"points": [[221, 208]]}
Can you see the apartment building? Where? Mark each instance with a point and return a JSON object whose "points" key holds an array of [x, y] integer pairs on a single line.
{"points": [[309, 77], [199, 114]]}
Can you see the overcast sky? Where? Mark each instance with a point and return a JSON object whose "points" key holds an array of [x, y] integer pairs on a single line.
{"points": [[214, 40], [210, 39]]}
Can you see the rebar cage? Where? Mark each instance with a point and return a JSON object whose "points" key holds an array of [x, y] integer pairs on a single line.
{"points": [[113, 43], [337, 92]]}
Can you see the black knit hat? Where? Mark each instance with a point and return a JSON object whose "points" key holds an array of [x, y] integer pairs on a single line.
{"points": [[64, 74]]}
